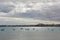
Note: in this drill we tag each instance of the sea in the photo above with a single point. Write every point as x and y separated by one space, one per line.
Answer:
29 33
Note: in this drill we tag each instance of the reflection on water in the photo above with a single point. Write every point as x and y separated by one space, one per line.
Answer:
13 29
40 29
21 28
33 28
2 29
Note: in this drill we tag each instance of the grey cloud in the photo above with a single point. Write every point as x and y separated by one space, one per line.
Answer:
6 8
30 14
51 13
24 1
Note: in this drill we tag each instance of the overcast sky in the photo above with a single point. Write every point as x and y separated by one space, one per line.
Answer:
29 11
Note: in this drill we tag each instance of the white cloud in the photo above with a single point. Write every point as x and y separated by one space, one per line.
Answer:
12 20
18 20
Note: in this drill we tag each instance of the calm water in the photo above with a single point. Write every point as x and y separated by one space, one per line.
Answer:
29 29
29 33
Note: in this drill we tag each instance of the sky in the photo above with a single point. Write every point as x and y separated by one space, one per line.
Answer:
29 11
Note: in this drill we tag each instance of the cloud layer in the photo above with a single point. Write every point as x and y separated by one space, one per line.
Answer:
38 10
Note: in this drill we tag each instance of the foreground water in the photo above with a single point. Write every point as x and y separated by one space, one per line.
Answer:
29 33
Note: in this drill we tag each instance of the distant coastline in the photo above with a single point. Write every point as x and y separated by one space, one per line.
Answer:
37 25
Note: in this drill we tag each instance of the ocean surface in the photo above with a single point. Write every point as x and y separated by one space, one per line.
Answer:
29 29
29 33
